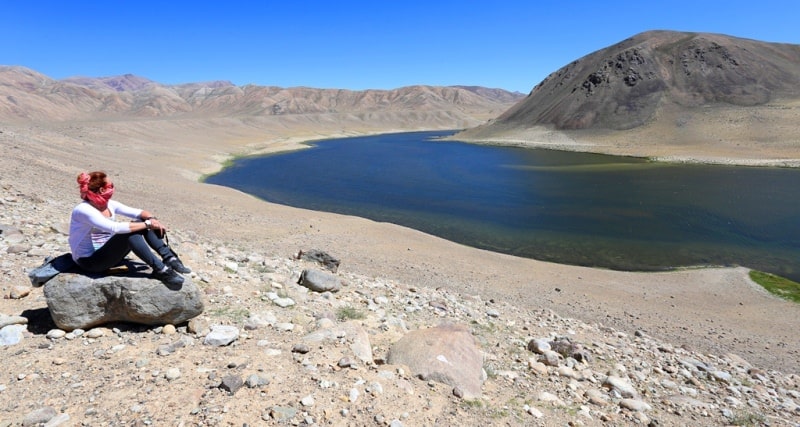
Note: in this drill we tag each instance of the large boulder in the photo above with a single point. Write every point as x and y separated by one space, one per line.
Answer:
79 301
447 354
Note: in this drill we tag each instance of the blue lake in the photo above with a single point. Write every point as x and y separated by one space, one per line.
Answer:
573 208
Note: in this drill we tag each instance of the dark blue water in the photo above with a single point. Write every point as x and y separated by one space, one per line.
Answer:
574 208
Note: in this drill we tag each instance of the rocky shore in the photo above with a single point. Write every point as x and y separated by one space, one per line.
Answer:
560 345
271 372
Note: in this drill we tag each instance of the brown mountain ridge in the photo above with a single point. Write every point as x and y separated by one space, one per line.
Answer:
665 93
29 95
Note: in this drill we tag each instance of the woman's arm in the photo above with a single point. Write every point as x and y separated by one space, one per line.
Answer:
149 221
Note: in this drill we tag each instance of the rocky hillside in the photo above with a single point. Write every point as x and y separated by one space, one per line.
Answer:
622 86
267 351
661 87
29 95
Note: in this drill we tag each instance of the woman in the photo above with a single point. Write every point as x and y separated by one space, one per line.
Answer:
98 241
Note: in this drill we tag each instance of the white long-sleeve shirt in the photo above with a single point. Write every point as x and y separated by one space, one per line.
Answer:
89 229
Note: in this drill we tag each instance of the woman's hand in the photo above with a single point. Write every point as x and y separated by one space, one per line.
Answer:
156 226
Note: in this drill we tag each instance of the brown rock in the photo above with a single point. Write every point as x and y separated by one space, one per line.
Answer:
447 354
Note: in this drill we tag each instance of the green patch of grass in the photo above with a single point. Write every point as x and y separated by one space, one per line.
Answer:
261 268
471 403
777 285
235 314
349 313
747 419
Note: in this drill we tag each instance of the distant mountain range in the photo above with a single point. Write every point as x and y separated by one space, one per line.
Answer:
663 94
29 95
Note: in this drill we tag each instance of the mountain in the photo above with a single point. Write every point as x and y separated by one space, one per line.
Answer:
689 83
33 96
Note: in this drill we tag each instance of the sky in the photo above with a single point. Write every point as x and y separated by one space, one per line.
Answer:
357 45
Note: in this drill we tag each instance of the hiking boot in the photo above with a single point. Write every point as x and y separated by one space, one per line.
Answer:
169 277
176 264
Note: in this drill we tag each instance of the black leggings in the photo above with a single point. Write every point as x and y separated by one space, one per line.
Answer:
120 245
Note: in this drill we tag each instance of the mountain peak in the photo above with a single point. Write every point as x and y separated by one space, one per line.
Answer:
623 85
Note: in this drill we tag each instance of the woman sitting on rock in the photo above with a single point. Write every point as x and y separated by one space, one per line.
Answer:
98 241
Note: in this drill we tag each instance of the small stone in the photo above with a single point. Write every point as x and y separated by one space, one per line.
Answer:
544 396
255 381
11 334
539 345
621 386
722 376
39 416
634 405
19 292
95 333
307 401
283 302
550 358
55 334
284 326
596 397
231 384
537 367
566 371
197 326
221 335
12 320
300 348
172 374
168 329
282 413
533 411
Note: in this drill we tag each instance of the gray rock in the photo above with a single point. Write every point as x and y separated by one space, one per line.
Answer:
259 320
221 335
722 376
596 397
231 383
255 381
284 302
11 334
12 320
634 405
447 354
282 413
18 248
321 257
539 345
300 348
319 281
621 386
78 301
550 358
58 420
39 416
172 374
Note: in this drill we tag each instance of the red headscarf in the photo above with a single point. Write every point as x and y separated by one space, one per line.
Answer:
98 198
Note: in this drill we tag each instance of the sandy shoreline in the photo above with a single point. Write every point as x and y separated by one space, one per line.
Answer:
158 167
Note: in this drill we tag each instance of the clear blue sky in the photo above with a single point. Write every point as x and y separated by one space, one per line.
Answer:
375 44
